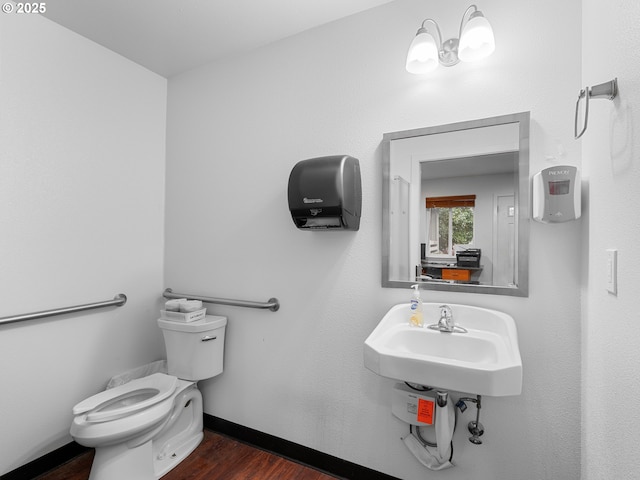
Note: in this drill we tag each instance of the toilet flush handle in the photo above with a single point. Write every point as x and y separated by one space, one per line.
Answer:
207 338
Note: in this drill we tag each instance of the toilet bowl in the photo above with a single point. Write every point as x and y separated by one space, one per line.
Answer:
125 412
144 428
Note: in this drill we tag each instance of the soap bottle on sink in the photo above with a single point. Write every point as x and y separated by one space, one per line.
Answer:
416 318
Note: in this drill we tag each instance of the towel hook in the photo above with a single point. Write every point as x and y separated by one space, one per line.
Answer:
608 90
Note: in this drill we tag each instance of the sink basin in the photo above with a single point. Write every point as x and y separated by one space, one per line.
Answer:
484 361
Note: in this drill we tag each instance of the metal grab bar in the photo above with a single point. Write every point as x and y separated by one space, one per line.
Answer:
272 304
117 301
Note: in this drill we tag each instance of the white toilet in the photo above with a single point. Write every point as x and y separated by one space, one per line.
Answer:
144 428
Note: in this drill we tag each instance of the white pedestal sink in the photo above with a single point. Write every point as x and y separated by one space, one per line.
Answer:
484 361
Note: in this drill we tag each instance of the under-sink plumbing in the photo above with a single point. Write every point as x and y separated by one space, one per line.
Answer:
442 397
475 427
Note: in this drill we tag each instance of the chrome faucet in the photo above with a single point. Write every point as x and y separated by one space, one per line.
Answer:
446 323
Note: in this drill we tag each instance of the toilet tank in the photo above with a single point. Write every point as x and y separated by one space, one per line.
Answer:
195 350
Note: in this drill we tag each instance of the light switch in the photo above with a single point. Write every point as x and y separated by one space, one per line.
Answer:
612 271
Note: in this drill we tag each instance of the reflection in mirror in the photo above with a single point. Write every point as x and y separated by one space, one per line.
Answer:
455 206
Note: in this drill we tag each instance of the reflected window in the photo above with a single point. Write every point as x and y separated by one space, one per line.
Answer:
450 223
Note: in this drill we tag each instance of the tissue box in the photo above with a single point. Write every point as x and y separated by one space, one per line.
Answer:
183 317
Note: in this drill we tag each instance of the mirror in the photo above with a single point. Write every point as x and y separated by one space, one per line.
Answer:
456 206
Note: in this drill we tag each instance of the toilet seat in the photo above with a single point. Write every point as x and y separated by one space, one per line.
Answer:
126 399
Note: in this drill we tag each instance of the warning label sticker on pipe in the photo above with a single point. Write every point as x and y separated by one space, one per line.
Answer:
425 411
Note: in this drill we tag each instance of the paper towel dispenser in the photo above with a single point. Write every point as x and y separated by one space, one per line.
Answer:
326 193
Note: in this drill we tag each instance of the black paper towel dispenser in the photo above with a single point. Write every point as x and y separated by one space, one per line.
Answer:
326 193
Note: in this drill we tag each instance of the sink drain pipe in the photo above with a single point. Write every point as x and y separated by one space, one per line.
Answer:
438 455
441 399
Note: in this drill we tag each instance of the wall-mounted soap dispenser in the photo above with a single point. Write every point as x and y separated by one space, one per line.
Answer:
556 194
325 193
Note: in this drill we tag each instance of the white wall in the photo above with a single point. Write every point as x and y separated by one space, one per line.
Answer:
235 130
611 336
82 135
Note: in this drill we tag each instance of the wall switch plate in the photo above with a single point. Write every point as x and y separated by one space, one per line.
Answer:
612 271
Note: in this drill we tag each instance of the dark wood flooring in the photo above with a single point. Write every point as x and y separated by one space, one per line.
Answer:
217 458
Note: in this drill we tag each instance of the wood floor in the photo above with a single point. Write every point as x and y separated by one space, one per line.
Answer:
217 458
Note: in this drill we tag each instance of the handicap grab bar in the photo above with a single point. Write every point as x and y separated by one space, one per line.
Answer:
272 304
117 301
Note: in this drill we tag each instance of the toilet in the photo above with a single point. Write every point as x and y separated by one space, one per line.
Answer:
142 429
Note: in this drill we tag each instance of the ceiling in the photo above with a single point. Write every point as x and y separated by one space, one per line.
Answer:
172 36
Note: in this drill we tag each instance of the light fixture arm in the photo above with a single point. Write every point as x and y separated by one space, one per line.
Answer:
464 15
447 49
437 28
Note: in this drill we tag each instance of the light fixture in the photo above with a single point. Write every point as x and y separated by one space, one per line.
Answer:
475 41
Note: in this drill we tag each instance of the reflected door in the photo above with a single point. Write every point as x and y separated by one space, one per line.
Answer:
505 250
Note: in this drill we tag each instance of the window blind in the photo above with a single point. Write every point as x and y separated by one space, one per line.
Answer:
451 201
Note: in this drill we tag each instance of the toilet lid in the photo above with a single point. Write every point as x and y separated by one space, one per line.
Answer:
126 399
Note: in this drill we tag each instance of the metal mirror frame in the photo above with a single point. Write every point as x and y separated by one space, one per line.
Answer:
521 289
